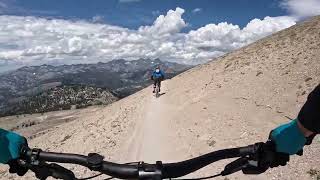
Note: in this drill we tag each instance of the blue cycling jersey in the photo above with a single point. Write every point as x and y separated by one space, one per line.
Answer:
159 74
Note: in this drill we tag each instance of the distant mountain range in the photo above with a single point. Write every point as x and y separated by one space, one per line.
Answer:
61 98
44 88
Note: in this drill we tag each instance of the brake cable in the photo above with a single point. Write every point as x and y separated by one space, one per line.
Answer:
230 168
109 178
90 177
207 177
97 175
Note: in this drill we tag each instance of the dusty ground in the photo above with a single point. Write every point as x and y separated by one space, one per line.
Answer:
233 101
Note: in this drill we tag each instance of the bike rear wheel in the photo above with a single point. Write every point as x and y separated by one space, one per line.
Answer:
157 91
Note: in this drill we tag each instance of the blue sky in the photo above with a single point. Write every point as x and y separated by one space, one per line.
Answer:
134 13
35 32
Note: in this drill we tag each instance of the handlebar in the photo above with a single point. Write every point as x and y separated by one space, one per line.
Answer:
183 168
93 161
36 157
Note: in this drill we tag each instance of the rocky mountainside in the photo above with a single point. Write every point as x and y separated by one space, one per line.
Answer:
61 98
120 77
230 102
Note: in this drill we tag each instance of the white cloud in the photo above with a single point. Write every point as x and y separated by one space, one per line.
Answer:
33 40
97 19
302 8
170 24
196 10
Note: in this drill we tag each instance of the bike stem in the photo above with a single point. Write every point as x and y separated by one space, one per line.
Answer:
149 171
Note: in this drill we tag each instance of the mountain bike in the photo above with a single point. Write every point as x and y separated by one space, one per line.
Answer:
252 159
157 89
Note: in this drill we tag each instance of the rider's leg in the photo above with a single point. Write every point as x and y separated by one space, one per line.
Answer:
154 86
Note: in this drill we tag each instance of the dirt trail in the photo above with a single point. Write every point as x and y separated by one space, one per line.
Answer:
152 139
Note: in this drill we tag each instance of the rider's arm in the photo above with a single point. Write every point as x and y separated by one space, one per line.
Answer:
10 145
162 73
309 115
304 130
291 137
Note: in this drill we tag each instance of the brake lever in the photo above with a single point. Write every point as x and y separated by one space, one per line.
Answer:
44 170
235 166
266 157
58 171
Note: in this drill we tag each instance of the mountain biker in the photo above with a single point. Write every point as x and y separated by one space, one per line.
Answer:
289 138
157 76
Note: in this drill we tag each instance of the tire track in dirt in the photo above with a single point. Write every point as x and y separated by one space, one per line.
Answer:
152 138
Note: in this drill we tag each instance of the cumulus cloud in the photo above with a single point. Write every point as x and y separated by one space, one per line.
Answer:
302 8
33 40
164 25
196 10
